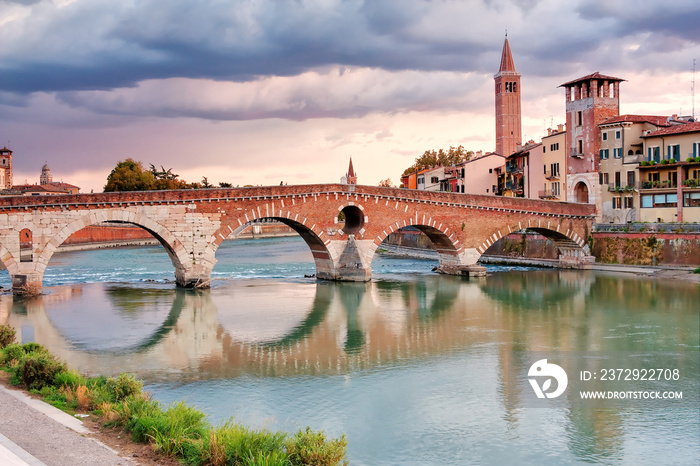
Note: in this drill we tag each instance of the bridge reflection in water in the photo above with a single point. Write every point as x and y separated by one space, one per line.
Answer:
264 328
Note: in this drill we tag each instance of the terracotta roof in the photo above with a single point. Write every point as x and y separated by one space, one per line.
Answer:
61 184
488 154
507 63
675 129
653 119
595 75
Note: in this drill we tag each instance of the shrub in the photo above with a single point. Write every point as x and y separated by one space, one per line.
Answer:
123 386
311 448
11 352
7 335
38 369
231 443
70 378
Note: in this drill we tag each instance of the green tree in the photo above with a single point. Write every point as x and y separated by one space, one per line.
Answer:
129 175
440 158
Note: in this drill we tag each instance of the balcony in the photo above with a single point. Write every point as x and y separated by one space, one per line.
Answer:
513 169
659 185
578 155
548 194
552 176
613 188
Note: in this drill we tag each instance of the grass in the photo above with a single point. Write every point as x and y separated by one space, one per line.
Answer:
178 430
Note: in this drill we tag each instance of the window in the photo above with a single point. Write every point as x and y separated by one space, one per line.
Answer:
617 153
617 179
630 179
604 154
616 202
579 146
618 134
653 154
696 149
579 118
629 204
605 136
660 200
603 178
674 152
555 188
434 179
544 148
490 170
691 200
554 146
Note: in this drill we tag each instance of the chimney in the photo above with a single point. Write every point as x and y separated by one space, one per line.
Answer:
549 131
560 128
478 154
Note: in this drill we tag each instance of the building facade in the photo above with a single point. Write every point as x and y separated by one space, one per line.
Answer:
554 165
669 174
590 100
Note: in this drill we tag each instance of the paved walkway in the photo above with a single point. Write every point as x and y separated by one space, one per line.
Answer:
35 433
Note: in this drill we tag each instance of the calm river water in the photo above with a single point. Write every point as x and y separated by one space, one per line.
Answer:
416 369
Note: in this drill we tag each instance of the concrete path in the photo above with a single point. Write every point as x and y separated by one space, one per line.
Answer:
35 433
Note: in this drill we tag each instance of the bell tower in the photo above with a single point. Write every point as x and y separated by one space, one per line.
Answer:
508 115
5 168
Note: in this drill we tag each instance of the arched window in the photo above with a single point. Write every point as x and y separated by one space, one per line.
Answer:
25 246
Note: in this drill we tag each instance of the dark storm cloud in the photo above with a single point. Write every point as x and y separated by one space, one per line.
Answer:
65 46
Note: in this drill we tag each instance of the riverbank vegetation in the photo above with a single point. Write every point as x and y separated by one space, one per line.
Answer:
178 430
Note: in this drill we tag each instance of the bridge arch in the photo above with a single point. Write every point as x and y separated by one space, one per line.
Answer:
323 258
446 245
569 245
176 251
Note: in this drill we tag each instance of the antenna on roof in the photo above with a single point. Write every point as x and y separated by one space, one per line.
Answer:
692 91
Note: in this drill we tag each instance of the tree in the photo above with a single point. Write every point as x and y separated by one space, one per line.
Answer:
223 184
441 158
386 183
129 175
205 183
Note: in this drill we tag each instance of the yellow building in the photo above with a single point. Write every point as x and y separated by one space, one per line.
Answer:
670 174
554 161
621 150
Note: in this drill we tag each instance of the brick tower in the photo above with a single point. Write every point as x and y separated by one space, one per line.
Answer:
590 100
508 126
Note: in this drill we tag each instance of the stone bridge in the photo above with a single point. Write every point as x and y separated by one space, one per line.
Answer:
191 225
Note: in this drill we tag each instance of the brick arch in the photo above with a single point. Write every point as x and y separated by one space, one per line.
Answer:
174 248
445 243
567 243
311 234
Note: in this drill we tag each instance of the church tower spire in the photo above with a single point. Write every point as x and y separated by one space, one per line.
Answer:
508 115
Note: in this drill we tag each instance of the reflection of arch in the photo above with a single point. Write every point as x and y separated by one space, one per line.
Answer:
162 331
531 290
430 297
581 193
175 249
322 257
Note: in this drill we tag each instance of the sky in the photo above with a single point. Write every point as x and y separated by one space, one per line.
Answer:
262 92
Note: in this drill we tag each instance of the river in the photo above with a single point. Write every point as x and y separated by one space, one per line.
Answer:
415 368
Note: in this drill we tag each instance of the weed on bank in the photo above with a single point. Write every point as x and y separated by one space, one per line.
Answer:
178 430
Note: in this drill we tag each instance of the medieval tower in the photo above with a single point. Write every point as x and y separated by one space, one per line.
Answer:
508 124
5 168
590 100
